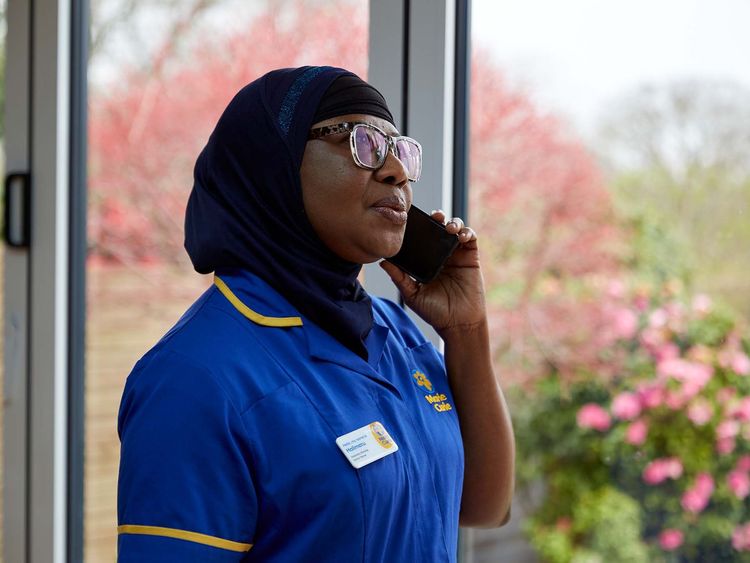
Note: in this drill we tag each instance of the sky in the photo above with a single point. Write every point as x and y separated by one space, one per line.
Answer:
575 57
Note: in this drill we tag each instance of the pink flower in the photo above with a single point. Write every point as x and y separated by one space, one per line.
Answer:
740 363
675 400
637 432
626 406
695 499
739 483
652 337
651 396
641 301
625 323
666 351
741 410
702 304
684 370
593 416
727 429
725 394
725 445
674 467
743 464
741 537
657 318
616 288
661 469
671 539
704 483
700 412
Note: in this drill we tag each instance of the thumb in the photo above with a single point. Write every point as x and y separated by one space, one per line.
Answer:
405 284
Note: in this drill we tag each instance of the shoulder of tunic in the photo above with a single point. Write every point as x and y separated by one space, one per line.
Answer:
219 343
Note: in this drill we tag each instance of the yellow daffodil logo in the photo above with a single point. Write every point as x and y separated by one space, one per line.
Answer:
421 380
381 435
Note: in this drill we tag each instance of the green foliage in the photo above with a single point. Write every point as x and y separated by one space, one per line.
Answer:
712 330
692 227
611 522
598 502
552 545
655 254
605 525
679 161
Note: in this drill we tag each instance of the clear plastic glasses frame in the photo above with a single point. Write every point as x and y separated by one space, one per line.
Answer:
412 166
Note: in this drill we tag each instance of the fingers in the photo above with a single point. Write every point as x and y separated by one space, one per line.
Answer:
405 284
455 226
438 215
467 234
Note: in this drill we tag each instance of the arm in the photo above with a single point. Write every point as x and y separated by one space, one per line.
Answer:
185 492
489 447
454 305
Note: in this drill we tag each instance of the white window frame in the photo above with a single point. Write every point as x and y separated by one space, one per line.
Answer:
414 61
36 295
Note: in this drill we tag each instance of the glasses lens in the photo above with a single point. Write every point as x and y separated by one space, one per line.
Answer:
410 154
370 146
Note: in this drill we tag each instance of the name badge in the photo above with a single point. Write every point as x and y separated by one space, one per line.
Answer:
367 444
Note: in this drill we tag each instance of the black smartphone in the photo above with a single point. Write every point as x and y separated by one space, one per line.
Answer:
426 247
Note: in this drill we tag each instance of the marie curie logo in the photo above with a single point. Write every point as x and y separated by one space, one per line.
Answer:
421 380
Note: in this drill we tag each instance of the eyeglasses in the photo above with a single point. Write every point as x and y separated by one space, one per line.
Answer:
370 146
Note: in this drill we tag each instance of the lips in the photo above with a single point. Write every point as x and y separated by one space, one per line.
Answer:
392 202
392 208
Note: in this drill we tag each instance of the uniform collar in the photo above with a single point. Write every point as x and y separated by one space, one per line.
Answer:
262 304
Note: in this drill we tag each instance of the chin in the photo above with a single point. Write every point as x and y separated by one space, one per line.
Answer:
391 247
375 255
391 253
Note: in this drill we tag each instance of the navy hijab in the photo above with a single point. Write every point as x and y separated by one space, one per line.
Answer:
246 208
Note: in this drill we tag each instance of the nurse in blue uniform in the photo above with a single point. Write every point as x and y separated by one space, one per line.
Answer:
289 416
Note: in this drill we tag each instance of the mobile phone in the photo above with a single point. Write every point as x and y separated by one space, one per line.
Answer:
426 247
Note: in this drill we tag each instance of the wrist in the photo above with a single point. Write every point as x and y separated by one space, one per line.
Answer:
465 331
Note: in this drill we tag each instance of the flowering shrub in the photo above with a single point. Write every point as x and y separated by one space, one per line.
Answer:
661 451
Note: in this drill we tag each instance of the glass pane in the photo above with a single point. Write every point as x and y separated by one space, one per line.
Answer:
160 74
2 259
610 184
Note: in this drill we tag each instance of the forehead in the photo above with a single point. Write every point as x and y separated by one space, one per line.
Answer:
383 124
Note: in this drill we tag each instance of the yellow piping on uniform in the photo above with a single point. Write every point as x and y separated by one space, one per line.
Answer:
252 315
185 535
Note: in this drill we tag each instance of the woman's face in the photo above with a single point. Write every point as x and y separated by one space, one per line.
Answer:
359 214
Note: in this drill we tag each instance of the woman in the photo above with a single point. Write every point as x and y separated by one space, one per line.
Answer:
289 416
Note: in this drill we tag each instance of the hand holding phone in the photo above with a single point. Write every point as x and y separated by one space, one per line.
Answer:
426 247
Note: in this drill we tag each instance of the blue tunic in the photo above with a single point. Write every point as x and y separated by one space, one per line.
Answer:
228 430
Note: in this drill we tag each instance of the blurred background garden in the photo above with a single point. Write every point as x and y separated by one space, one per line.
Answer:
614 221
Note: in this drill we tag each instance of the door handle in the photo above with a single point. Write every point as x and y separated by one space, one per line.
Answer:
17 210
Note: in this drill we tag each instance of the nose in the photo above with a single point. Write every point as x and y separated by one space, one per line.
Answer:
392 172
